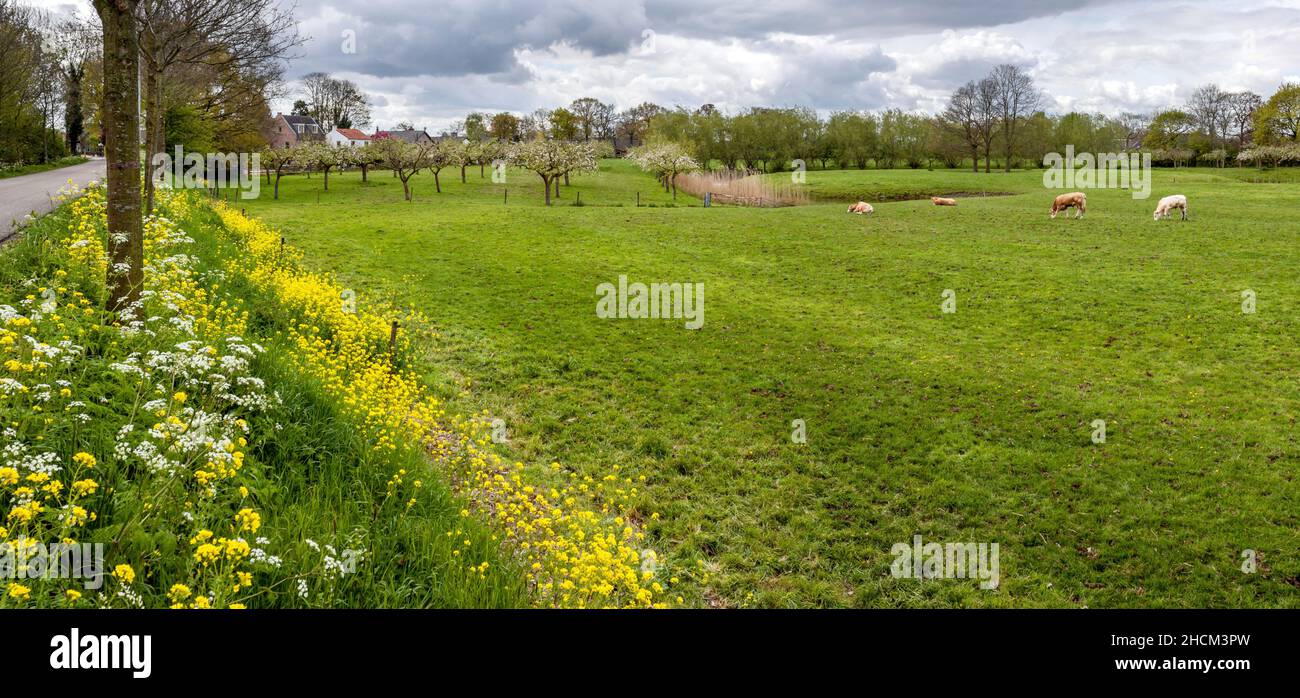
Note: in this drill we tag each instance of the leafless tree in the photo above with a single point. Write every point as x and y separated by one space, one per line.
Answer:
594 117
232 35
1208 105
962 118
1134 126
1017 98
636 121
335 102
986 111
1241 115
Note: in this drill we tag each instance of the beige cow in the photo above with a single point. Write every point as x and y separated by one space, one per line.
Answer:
940 201
1076 200
861 207
1169 203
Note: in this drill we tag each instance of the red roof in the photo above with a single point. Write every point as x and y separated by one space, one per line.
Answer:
353 135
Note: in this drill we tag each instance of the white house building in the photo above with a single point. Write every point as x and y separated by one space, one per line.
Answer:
346 136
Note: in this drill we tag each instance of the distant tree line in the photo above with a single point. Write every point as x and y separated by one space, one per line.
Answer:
585 119
998 121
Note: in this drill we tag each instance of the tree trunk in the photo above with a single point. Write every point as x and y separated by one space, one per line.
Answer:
277 186
73 119
155 136
557 186
406 187
45 133
1010 153
327 179
975 158
437 186
462 173
546 187
364 170
125 277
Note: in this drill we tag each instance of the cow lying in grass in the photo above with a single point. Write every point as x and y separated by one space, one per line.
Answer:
861 207
940 201
1076 200
1169 203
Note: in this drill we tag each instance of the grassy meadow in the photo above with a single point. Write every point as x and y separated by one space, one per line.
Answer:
967 426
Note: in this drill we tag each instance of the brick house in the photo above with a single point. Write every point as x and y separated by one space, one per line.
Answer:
287 130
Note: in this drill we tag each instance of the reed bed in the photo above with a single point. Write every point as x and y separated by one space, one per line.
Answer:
743 188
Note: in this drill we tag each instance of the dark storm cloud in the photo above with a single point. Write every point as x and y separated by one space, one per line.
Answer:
842 18
402 38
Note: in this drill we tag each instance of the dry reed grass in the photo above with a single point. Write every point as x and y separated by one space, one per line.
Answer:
743 188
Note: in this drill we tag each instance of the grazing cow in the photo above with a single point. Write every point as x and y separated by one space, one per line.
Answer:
1076 200
1169 203
940 201
861 207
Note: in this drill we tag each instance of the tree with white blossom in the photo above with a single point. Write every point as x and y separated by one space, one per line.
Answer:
552 159
665 161
404 159
322 157
278 161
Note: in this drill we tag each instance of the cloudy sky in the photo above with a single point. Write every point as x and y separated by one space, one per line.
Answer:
430 62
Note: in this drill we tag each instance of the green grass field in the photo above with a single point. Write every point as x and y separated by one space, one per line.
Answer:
973 426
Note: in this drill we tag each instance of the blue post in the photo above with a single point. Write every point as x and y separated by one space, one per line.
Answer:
708 199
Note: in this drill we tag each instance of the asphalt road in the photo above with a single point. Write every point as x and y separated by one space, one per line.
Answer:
20 196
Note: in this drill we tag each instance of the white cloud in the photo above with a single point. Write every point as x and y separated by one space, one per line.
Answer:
433 64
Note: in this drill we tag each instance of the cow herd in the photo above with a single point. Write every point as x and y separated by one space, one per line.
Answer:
1074 200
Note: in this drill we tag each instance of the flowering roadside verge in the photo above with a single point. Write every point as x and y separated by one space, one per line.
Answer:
129 439
576 536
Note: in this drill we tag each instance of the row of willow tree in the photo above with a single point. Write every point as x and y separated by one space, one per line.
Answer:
1000 118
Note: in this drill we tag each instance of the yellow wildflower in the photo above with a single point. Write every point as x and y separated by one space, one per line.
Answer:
124 573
